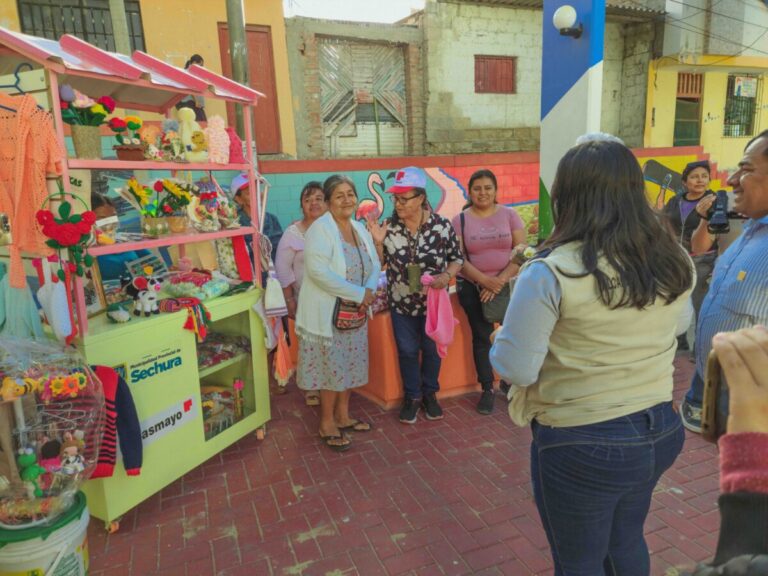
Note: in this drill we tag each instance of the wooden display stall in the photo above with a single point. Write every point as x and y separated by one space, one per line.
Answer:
156 355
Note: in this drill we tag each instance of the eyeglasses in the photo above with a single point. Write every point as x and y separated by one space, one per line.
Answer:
403 199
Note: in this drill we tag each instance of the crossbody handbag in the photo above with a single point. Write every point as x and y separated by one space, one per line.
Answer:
494 310
346 313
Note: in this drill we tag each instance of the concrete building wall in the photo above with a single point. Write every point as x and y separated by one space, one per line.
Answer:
613 72
302 39
638 40
460 121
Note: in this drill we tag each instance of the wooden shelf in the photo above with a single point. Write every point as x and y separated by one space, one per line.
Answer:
222 365
115 164
169 240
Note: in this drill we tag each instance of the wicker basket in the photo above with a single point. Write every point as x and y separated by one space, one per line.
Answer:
129 152
177 224
86 140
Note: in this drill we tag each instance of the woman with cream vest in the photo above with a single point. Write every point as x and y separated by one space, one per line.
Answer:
340 262
588 345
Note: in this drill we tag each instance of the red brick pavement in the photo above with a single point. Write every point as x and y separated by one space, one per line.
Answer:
438 498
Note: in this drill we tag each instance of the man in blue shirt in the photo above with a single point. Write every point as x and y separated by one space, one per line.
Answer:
738 293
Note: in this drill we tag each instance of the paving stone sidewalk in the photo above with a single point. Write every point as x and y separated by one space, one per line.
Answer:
438 498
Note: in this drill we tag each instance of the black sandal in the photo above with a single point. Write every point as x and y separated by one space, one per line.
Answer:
336 447
358 426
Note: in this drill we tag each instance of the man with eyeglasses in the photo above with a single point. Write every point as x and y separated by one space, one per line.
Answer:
738 292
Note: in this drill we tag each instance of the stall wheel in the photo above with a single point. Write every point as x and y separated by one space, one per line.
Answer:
112 527
261 432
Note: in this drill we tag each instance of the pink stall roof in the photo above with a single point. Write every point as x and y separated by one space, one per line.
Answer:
140 81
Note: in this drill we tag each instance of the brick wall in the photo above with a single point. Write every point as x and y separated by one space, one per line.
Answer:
302 36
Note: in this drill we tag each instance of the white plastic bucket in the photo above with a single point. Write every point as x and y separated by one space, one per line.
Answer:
57 550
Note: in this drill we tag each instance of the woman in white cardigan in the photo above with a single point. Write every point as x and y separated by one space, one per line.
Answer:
339 262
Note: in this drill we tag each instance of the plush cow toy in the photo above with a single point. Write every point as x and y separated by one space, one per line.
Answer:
144 291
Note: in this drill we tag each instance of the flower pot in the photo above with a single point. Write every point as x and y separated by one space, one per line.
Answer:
129 152
154 226
177 224
87 141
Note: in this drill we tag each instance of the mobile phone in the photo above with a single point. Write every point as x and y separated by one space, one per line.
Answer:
714 411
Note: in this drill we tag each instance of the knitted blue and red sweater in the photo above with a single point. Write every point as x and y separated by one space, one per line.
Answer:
121 424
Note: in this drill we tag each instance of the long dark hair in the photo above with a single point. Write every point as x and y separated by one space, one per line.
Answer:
598 198
482 173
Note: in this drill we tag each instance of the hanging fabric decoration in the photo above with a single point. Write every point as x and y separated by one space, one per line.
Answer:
69 233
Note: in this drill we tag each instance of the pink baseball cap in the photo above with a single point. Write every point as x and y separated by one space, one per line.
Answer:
407 179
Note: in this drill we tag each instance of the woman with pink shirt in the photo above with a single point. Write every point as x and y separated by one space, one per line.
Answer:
289 261
488 235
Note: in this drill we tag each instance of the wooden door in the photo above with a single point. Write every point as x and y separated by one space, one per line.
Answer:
262 78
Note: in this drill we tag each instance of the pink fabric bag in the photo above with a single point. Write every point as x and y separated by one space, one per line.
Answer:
440 319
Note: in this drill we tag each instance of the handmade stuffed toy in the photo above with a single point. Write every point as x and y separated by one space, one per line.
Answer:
192 137
144 291
235 147
218 141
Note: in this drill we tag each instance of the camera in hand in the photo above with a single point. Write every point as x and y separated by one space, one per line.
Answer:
717 215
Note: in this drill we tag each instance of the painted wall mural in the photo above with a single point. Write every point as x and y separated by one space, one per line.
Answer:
446 185
446 191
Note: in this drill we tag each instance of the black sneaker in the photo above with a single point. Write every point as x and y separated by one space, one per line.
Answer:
504 387
431 407
485 404
408 411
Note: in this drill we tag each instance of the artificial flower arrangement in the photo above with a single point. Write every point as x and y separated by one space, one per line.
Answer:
85 115
82 110
129 147
163 207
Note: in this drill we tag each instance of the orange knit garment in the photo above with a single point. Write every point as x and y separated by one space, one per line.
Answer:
29 150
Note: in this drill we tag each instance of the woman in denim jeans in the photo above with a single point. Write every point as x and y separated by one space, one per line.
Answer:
588 347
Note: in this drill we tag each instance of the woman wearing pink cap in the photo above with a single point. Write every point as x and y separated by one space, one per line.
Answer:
413 242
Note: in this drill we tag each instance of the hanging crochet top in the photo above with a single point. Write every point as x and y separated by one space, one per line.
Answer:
29 150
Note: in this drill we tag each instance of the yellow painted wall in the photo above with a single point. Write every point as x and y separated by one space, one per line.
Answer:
662 91
660 107
9 16
176 29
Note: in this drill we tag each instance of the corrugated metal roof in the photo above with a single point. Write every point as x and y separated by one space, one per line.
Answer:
140 80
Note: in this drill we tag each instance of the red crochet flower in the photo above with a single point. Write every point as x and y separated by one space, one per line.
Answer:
107 102
167 209
158 186
87 220
44 217
66 234
117 124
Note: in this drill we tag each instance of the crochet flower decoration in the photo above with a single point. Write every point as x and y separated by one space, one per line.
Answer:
71 232
128 124
68 386
81 109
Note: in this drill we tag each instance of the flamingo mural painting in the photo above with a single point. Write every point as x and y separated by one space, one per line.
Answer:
373 207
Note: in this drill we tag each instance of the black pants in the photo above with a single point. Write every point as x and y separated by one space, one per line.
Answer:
469 298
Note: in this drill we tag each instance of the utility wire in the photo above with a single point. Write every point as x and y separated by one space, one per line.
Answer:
716 13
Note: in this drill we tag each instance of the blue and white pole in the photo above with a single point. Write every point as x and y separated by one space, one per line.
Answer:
571 89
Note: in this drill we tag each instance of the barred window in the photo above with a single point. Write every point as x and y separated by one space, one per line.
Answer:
86 19
741 99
